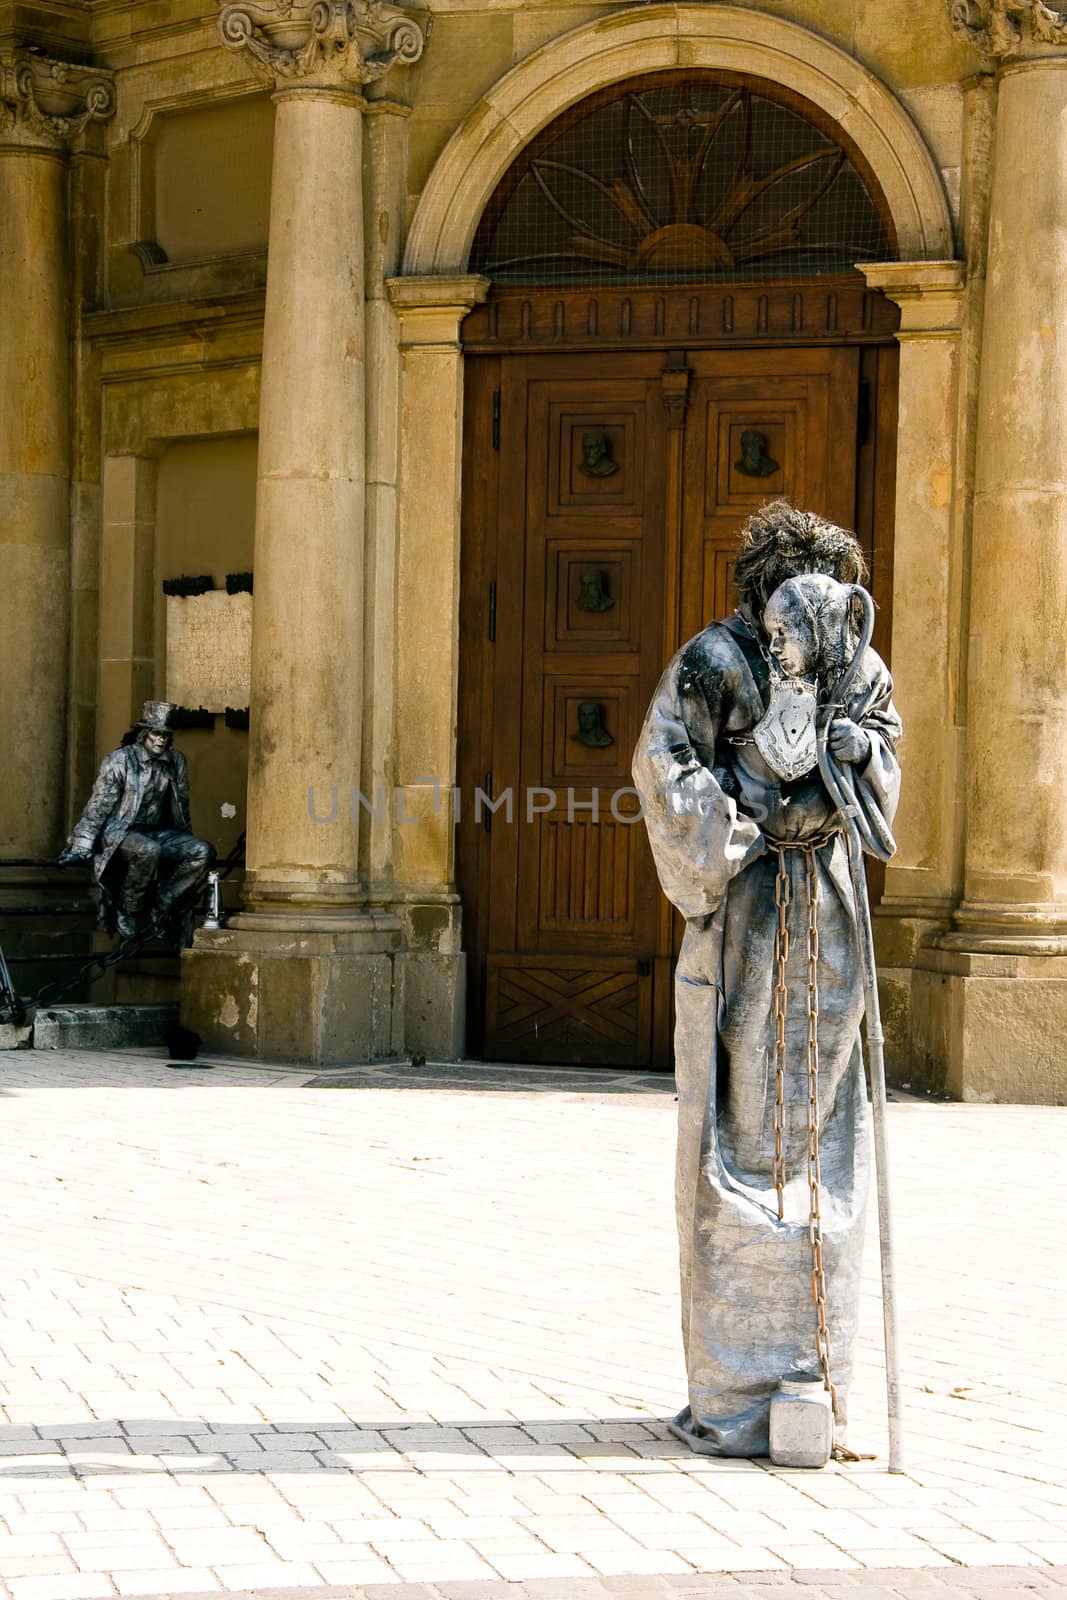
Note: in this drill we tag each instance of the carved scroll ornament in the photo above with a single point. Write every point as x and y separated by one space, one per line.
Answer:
42 100
1002 27
333 43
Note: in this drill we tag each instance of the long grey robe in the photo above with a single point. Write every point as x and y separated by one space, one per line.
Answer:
748 1316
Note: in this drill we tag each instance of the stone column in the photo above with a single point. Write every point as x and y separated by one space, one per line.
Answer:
305 971
429 310
44 105
922 881
1005 963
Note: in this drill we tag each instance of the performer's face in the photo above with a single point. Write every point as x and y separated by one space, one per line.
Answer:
155 743
789 630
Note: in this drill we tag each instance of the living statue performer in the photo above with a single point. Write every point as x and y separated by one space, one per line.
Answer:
146 859
748 846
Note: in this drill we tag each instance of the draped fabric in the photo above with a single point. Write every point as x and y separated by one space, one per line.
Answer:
748 1315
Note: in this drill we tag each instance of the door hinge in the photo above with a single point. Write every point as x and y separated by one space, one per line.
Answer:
496 419
492 612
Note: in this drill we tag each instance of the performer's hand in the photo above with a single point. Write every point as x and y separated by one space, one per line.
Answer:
691 791
74 854
848 742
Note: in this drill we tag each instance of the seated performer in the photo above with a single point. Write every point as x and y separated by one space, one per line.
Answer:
136 829
769 987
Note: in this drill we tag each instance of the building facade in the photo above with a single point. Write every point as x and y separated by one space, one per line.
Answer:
440 353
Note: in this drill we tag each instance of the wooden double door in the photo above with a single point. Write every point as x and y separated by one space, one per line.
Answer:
603 495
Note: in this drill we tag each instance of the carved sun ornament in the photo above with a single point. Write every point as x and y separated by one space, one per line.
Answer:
698 179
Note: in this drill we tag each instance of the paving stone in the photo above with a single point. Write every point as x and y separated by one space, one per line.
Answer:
469 1375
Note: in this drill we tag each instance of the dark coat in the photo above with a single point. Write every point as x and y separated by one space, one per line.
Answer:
117 794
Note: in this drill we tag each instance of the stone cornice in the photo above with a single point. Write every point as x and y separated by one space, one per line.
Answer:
430 308
331 44
1002 28
45 102
929 294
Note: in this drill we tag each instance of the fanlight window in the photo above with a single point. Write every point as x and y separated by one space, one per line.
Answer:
680 180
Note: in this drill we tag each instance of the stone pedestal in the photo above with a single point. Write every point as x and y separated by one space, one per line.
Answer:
306 971
296 993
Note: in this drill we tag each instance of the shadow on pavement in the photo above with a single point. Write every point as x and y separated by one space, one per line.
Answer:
153 1068
176 1445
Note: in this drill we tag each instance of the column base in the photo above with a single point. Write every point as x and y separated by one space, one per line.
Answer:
279 990
435 975
901 930
990 1027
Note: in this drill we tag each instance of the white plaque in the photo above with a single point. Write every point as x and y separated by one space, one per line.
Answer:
209 650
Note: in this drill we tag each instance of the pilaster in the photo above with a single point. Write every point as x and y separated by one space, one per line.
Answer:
429 311
922 880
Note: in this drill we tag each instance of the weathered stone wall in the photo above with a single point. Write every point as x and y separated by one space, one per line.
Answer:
165 232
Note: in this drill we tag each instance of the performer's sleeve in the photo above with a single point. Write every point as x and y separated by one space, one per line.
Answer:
699 840
106 792
181 784
874 789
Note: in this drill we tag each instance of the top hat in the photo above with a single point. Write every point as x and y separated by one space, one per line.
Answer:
156 715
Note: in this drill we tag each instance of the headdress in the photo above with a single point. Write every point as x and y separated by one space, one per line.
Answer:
780 542
156 715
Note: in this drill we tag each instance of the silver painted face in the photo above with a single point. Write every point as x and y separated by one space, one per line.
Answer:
791 635
155 743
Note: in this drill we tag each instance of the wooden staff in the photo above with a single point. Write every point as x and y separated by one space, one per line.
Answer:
875 1038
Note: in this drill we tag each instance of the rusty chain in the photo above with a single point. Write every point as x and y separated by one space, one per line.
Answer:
781 1006
781 1001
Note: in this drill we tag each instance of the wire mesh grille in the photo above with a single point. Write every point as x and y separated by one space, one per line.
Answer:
689 179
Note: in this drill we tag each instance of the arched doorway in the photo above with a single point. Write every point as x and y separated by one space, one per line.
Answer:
675 333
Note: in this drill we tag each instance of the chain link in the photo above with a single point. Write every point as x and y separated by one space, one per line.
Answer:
781 955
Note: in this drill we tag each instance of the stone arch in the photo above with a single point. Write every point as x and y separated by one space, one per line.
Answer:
653 38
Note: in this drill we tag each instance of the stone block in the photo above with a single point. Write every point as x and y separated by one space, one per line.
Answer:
16 1035
469 54
894 996
435 1008
317 998
89 1027
990 1028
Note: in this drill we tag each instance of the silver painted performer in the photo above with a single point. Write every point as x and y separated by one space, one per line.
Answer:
136 829
769 984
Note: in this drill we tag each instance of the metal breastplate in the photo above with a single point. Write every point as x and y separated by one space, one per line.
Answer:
785 734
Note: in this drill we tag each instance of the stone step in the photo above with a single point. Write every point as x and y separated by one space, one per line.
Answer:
89 1027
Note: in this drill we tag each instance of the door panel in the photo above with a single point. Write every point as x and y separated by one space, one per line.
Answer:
581 545
592 482
801 407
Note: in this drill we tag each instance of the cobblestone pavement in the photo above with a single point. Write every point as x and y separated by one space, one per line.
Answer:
397 1333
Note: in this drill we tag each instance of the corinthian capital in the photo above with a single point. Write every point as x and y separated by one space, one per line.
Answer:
1007 27
328 44
48 102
